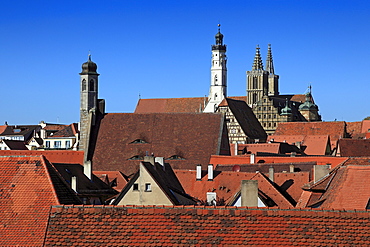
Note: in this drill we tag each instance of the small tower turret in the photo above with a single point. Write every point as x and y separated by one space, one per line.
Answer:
309 109
88 99
217 91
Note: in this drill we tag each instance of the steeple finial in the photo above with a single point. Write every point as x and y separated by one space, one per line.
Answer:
89 56
269 61
257 63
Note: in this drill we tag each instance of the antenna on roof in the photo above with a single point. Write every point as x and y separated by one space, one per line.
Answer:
139 95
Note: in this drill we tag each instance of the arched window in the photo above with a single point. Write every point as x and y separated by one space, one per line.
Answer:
254 98
215 80
83 85
215 96
92 85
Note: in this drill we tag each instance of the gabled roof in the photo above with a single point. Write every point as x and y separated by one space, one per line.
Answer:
205 226
29 186
227 186
354 147
54 156
67 131
15 145
2 128
115 179
184 138
271 148
344 188
165 178
246 119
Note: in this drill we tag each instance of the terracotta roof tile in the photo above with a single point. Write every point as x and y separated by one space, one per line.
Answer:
314 144
170 105
335 130
29 186
2 128
345 187
181 137
189 226
115 178
54 156
354 147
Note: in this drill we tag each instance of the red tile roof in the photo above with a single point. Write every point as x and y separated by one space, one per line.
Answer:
205 226
245 159
115 178
169 105
354 147
29 186
315 144
335 130
54 156
189 138
2 128
344 188
227 185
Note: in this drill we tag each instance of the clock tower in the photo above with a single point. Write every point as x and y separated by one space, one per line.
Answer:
217 91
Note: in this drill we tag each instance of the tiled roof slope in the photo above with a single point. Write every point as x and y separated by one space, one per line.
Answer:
189 138
227 184
29 186
114 178
54 156
344 188
15 145
314 144
246 119
205 226
2 128
245 159
335 130
169 105
68 131
354 147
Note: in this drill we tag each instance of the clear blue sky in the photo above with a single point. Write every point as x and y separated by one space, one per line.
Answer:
162 49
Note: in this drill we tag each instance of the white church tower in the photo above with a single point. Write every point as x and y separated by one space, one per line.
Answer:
217 91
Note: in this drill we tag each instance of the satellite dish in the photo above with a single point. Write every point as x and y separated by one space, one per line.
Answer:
236 168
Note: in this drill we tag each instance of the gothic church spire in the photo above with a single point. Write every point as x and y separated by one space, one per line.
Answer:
257 63
269 61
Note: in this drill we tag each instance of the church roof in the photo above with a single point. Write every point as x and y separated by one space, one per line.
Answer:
184 138
171 105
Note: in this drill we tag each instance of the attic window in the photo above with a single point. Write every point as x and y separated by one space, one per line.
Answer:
135 187
137 141
148 187
175 157
17 130
136 157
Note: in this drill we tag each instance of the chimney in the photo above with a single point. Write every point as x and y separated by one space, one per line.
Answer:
159 160
210 172
249 193
271 173
236 148
88 169
320 171
74 183
291 168
211 198
149 159
199 172
253 158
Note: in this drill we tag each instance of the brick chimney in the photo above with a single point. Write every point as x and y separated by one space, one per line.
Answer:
210 172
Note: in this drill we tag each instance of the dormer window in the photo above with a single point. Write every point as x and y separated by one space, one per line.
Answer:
138 141
136 157
175 157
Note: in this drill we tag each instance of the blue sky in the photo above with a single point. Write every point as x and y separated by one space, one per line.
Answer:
162 49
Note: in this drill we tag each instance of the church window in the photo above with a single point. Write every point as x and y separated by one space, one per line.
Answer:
264 116
269 116
274 124
259 116
264 124
269 124
264 108
83 85
215 96
254 98
259 108
264 100
91 86
254 86
274 115
215 80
